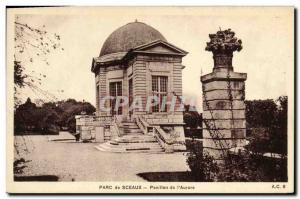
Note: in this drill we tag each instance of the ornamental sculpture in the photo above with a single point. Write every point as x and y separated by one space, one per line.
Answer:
222 45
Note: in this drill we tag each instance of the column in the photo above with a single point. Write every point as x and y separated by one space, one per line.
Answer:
224 121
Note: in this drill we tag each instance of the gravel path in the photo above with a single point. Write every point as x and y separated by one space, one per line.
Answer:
82 162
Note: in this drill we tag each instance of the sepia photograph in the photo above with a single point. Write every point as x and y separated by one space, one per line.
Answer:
150 99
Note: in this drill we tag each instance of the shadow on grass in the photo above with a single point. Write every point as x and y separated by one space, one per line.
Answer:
177 176
45 178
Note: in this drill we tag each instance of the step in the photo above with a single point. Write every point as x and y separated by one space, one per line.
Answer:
140 140
131 127
131 135
136 135
145 140
131 143
132 130
127 142
129 123
134 145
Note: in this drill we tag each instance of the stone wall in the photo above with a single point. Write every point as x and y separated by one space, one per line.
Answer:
93 128
168 129
85 126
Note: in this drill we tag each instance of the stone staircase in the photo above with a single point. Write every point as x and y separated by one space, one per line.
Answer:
133 140
131 127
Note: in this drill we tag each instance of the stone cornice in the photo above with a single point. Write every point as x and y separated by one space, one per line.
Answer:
140 53
223 76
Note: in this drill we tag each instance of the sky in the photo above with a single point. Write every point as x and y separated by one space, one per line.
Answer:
267 55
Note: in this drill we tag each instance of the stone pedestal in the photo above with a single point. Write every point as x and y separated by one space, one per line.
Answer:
99 131
180 139
85 127
224 120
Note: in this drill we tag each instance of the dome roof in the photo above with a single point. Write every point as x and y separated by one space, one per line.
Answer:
129 36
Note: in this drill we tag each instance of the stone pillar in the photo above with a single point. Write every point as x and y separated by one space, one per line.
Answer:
224 122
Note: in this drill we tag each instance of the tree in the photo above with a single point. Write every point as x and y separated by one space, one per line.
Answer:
191 117
24 116
269 121
279 131
31 44
71 108
192 120
260 113
50 117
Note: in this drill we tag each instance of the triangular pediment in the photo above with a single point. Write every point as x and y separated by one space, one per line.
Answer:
160 47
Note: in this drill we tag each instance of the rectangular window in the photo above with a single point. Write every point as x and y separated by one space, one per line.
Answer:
115 90
159 89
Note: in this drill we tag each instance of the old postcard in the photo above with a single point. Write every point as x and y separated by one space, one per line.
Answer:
150 100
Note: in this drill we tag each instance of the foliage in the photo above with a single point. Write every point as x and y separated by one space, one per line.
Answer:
279 135
259 140
270 121
267 120
191 117
260 113
243 167
193 121
19 75
203 167
31 44
50 116
248 167
19 165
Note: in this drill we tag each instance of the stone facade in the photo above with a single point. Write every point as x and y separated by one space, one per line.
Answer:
132 57
140 69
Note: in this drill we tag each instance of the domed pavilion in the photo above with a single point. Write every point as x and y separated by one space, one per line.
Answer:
138 63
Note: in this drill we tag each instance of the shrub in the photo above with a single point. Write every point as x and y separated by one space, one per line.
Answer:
203 167
244 167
